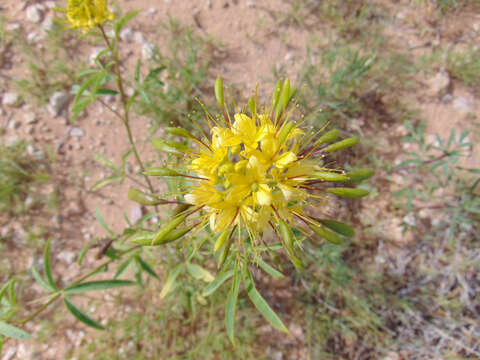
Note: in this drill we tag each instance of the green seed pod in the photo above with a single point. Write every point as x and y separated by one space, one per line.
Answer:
330 176
286 129
144 199
338 227
329 136
276 93
341 144
252 106
221 240
360 175
161 171
288 240
285 96
143 238
219 92
162 234
170 147
175 234
348 192
224 250
179 132
326 234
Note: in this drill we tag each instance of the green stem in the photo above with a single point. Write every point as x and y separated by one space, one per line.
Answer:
124 99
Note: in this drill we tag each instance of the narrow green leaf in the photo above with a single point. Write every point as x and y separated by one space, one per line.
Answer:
231 306
219 92
13 332
123 21
341 144
104 182
39 279
270 270
215 284
200 273
326 234
104 91
146 267
103 160
260 303
47 266
102 222
170 281
97 285
80 315
122 267
5 287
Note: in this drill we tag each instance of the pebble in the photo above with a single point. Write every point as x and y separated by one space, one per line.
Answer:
14 124
139 37
11 99
57 102
30 129
250 3
126 35
148 50
48 24
77 132
440 84
13 27
29 118
66 256
151 11
463 105
34 14
93 55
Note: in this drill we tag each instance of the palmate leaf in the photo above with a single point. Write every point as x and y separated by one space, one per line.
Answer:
13 332
260 303
80 315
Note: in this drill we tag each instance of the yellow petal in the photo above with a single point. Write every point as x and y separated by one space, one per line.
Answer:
285 159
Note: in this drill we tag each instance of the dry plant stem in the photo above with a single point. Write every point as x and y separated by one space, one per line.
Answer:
79 280
124 98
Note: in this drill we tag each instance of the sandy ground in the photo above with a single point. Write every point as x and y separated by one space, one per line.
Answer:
255 42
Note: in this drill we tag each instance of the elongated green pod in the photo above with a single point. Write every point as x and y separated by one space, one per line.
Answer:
288 241
181 208
179 132
285 96
167 229
338 227
143 238
221 240
330 176
170 147
286 129
276 93
252 106
329 136
360 175
143 198
224 251
348 192
147 238
161 171
219 92
341 144
326 234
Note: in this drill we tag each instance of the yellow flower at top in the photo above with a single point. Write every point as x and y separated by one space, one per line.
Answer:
86 14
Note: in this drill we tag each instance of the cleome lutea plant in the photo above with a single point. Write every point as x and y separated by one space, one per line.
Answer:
247 187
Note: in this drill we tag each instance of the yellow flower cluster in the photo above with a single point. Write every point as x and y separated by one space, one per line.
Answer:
85 14
250 173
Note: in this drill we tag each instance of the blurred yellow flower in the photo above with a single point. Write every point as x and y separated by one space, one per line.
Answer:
85 14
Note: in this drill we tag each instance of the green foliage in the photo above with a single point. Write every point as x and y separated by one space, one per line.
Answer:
21 174
465 66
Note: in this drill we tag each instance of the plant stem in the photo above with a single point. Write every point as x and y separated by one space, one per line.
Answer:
124 99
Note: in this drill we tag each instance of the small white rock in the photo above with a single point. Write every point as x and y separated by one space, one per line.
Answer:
34 14
13 27
136 213
126 34
29 118
148 50
77 132
11 99
93 55
57 102
66 256
151 11
463 105
139 38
